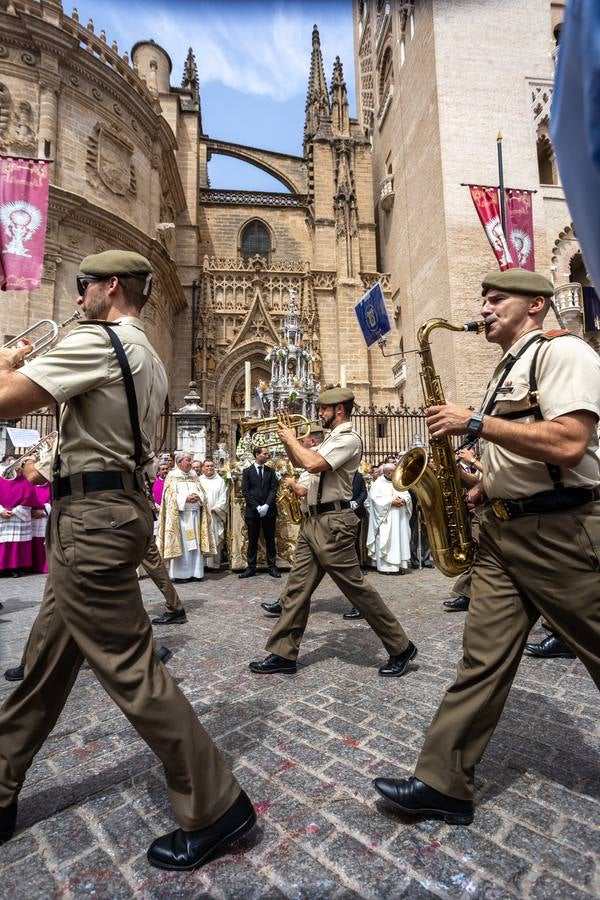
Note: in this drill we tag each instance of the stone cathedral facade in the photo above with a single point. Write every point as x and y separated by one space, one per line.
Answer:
130 169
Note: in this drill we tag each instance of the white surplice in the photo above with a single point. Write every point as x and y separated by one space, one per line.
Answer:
388 537
216 494
191 563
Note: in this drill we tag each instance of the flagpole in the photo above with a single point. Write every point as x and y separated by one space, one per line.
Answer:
501 183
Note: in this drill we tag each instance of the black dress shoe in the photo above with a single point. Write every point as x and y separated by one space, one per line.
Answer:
414 798
274 609
353 613
181 580
552 647
458 604
184 850
8 818
272 664
177 617
274 573
164 654
15 674
397 665
247 573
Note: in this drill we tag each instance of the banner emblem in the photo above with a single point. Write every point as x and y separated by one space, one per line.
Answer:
372 315
20 220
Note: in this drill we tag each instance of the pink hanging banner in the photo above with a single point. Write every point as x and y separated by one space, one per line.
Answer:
519 225
488 209
23 217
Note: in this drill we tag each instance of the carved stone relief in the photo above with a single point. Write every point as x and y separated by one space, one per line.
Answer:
109 161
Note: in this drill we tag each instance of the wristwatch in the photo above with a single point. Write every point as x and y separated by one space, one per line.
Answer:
474 426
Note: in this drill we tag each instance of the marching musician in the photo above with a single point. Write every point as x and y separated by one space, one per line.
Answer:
111 386
540 532
326 544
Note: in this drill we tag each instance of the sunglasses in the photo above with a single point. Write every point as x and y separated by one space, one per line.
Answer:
84 280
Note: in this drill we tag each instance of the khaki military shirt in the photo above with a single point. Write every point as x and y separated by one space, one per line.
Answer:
343 451
83 374
305 480
568 379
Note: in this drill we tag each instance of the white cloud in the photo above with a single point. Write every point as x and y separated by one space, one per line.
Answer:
265 52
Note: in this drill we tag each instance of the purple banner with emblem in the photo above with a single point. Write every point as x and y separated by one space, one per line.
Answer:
23 215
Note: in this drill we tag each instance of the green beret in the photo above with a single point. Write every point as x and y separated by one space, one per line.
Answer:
334 396
518 281
115 262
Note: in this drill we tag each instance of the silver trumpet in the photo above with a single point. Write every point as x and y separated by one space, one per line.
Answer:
40 335
40 452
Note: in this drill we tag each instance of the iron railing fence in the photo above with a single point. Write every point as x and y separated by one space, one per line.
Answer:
385 431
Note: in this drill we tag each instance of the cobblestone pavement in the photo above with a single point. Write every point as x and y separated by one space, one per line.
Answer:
305 748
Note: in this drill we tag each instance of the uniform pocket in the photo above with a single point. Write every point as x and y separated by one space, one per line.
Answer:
109 517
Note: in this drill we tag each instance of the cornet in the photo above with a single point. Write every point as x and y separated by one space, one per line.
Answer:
39 451
40 335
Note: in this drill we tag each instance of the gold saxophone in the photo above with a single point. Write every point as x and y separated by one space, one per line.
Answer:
438 490
288 500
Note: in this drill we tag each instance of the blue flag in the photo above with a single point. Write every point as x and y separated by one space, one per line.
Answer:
575 124
372 315
591 309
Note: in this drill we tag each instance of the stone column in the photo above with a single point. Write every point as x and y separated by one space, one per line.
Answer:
48 129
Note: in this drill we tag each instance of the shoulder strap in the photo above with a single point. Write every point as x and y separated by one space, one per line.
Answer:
129 390
487 409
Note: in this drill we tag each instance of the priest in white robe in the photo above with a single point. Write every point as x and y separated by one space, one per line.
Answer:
216 495
184 534
388 537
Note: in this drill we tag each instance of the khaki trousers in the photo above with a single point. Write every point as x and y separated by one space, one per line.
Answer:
326 547
92 609
536 565
155 569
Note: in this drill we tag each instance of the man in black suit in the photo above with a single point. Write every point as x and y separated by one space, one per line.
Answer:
259 487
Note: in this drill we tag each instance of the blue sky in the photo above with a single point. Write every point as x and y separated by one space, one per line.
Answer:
253 63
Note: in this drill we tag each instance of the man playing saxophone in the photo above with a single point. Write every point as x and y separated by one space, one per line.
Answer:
540 532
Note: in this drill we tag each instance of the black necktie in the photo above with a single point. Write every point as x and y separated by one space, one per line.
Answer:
260 473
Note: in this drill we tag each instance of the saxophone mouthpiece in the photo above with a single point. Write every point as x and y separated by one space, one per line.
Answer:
477 327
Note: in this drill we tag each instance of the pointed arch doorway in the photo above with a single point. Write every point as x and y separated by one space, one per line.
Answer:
231 388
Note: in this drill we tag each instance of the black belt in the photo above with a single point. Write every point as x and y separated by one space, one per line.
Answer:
544 502
87 482
332 506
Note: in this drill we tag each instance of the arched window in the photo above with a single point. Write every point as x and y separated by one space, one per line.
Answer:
546 164
255 239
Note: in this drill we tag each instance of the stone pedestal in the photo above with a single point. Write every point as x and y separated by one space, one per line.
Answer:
192 424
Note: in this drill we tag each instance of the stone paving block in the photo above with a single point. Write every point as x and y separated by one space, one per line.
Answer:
546 887
363 866
585 838
93 875
485 856
551 854
20 847
347 749
125 831
361 818
66 835
299 821
25 881
299 875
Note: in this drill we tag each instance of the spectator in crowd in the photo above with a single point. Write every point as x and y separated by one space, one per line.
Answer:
216 495
184 526
388 536
15 525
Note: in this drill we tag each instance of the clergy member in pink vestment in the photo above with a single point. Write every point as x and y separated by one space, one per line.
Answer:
15 525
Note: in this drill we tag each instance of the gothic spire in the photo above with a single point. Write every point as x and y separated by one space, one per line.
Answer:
339 101
190 75
317 98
